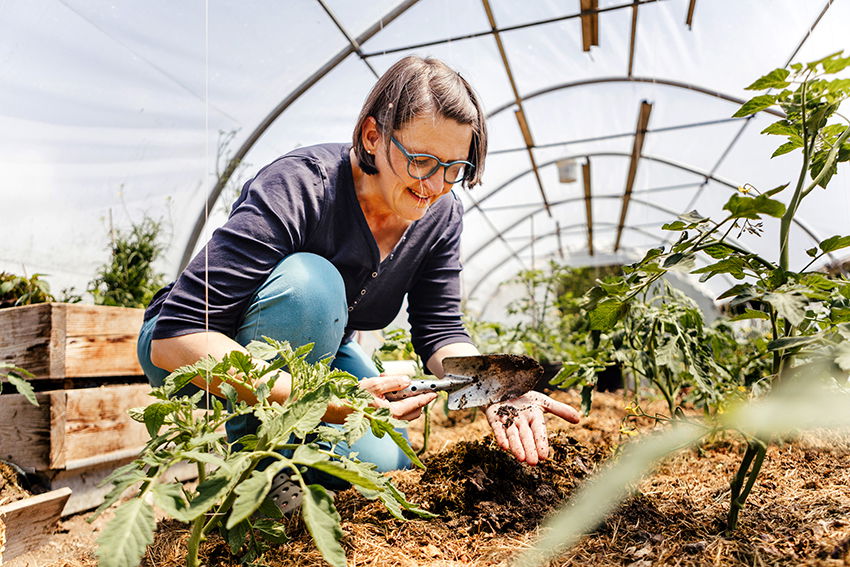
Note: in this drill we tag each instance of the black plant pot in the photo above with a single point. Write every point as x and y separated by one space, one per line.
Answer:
549 371
610 379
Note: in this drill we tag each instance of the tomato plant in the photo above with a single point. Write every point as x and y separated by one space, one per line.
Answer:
807 313
232 496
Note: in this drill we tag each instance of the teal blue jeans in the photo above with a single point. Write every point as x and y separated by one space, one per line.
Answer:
302 301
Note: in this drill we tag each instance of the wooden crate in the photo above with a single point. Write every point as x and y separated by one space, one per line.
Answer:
26 524
72 429
65 340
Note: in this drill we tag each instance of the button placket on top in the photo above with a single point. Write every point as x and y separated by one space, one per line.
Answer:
362 292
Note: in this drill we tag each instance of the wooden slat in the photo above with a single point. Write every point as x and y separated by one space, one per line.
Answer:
689 20
588 204
72 428
97 422
589 24
29 522
59 340
637 151
94 334
87 495
25 431
25 337
57 429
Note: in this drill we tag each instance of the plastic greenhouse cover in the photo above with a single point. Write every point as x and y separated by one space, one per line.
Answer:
111 111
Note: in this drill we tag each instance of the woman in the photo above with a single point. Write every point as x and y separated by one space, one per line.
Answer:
328 239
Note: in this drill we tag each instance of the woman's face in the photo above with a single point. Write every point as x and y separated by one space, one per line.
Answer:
406 196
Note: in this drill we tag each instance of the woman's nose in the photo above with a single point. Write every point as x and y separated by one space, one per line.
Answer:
435 183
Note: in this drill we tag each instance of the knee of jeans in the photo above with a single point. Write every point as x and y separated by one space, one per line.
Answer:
310 286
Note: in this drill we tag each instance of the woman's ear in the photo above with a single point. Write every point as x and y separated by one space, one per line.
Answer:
370 135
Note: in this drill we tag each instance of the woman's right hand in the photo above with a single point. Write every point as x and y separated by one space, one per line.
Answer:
407 409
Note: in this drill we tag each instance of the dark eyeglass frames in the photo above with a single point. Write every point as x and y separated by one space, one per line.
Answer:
423 166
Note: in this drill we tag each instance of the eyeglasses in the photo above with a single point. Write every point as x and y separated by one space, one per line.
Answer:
423 166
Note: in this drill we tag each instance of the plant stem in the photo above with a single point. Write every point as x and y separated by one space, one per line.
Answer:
193 546
426 433
830 160
790 211
754 455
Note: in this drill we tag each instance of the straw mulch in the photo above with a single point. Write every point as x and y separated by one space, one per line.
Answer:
490 507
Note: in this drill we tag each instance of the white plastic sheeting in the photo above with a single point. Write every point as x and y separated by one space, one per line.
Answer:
119 109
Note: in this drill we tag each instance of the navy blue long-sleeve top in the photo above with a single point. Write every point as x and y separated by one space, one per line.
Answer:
305 202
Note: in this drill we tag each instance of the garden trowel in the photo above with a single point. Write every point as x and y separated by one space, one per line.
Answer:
478 380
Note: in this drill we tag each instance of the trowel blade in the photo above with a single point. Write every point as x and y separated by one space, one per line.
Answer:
495 378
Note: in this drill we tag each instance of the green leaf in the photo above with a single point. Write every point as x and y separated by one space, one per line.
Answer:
587 398
790 305
229 392
201 457
303 350
271 530
781 128
775 190
130 476
261 350
812 252
742 206
652 253
734 266
251 492
338 470
776 79
680 262
380 427
739 289
209 493
835 243
123 541
322 521
235 536
787 147
155 415
606 314
718 251
171 499
304 414
23 387
836 65
675 225
750 314
356 425
693 218
756 104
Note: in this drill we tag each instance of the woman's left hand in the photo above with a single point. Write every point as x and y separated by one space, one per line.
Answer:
519 427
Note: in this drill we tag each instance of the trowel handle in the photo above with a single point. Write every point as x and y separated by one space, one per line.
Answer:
449 382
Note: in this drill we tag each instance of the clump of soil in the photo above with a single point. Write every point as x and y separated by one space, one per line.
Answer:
476 486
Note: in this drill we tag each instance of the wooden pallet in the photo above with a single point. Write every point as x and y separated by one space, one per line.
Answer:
65 340
26 524
75 438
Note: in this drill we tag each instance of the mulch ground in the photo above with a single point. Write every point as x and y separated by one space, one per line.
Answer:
490 507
